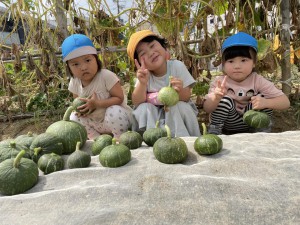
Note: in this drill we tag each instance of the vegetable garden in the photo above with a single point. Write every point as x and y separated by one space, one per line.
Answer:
34 80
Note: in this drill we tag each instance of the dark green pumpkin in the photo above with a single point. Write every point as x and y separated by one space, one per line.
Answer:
25 139
78 159
69 131
208 144
170 150
78 102
115 155
151 135
17 175
48 143
10 149
49 163
100 143
256 119
131 139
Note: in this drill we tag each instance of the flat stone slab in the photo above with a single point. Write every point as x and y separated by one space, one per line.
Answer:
255 179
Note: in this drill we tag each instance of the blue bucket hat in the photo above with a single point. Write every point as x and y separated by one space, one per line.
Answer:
240 39
77 45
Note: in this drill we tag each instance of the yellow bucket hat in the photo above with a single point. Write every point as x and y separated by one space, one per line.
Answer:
135 39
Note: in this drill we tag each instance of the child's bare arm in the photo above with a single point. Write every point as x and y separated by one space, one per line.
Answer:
280 103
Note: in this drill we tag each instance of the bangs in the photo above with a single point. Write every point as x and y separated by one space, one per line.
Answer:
237 51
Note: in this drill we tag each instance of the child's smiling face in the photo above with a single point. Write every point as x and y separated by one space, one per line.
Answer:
154 56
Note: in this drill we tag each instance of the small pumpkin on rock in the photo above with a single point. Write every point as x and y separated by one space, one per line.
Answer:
256 119
208 144
17 175
168 96
78 159
170 150
49 163
69 131
100 143
131 139
151 135
115 155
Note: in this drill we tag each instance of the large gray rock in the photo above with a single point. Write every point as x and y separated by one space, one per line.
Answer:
255 179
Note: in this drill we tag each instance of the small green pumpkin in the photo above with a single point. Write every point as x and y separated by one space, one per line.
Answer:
10 149
256 119
78 159
168 96
170 150
78 102
131 139
115 155
17 175
151 135
48 143
25 139
208 144
69 131
49 163
100 143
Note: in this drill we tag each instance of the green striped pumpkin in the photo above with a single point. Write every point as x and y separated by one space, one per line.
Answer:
78 159
25 139
17 175
168 96
170 150
10 149
256 119
131 139
100 143
69 131
46 143
115 155
208 144
49 163
151 135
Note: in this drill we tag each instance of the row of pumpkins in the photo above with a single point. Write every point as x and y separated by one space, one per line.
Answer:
21 158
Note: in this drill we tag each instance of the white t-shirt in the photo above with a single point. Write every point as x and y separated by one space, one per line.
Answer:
101 85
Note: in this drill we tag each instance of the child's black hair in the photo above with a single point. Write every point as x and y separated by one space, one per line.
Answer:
162 41
239 51
99 63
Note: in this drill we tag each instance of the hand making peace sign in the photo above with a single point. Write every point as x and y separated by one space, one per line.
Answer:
142 73
220 91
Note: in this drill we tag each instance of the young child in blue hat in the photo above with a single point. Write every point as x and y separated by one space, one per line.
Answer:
240 88
99 88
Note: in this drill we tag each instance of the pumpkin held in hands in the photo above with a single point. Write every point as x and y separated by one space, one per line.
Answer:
256 119
170 150
208 144
168 96
17 175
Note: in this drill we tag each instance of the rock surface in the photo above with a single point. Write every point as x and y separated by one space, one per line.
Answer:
255 179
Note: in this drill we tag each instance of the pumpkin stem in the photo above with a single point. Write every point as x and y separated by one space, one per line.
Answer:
78 146
37 151
170 78
12 144
114 141
29 134
168 131
156 124
18 159
68 113
204 129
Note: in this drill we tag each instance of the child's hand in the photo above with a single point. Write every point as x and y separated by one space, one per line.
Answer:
89 106
142 73
220 90
258 102
176 83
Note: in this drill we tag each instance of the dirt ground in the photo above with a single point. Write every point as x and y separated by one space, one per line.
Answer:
283 121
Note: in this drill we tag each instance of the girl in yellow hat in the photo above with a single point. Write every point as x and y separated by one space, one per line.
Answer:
149 52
